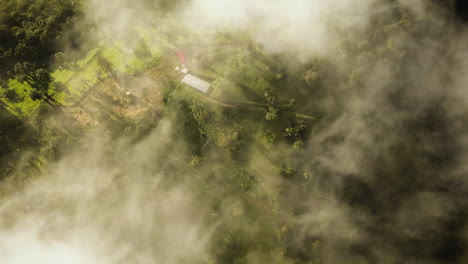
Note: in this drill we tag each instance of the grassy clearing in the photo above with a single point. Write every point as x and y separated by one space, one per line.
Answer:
62 75
18 100
91 54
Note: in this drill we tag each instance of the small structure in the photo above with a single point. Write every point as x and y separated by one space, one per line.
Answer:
196 83
184 70
181 56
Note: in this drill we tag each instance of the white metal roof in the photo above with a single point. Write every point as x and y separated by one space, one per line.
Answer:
196 83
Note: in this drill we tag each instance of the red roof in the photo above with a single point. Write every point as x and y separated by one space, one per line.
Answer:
181 56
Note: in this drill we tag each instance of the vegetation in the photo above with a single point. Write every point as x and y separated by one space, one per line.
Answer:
261 142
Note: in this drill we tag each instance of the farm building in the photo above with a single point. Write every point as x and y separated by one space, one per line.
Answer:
196 83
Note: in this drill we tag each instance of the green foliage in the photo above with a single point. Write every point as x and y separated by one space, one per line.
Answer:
142 50
247 143
18 101
271 114
295 132
31 31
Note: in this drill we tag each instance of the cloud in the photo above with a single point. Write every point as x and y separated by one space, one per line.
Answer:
101 208
280 26
381 178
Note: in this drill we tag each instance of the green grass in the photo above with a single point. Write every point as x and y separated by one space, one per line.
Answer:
62 75
115 57
22 105
88 57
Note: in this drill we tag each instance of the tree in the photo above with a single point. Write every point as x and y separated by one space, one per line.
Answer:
105 65
33 31
295 132
39 79
272 113
142 50
312 78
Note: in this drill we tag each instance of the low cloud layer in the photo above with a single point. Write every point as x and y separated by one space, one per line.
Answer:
382 180
283 26
98 207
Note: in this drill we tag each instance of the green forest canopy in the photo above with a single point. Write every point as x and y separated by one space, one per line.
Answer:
276 111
